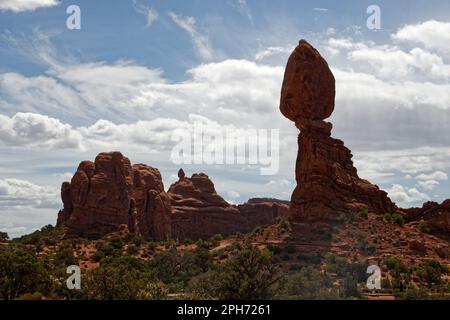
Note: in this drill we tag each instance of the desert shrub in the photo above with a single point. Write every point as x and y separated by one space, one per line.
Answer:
47 234
109 249
4 236
330 258
398 219
250 274
215 240
132 249
363 213
176 269
307 283
430 272
394 264
151 246
118 279
64 257
202 258
97 256
205 285
343 269
387 217
274 249
21 272
133 238
413 293
154 291
423 226
350 287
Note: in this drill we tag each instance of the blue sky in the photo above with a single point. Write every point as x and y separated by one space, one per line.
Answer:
137 70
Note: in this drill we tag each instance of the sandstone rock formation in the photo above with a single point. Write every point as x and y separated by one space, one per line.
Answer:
327 182
436 216
108 194
199 212
112 196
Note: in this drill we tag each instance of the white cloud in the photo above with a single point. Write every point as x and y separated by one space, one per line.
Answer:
427 185
272 51
432 34
233 194
28 129
150 14
438 175
22 193
26 5
404 197
391 62
200 41
280 183
320 9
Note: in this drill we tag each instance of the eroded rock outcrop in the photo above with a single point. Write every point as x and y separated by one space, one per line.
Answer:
109 194
436 216
199 212
327 182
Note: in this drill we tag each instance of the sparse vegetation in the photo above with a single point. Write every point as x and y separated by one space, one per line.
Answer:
127 267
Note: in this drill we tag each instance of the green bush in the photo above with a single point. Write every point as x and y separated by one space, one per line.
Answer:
133 238
151 246
274 249
364 213
398 219
307 283
4 236
64 257
431 272
21 272
423 226
250 274
132 249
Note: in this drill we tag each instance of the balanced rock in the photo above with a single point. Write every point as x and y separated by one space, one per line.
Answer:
327 182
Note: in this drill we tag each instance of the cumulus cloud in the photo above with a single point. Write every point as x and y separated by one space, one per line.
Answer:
438 175
26 5
406 196
432 34
200 41
16 192
35 130
428 185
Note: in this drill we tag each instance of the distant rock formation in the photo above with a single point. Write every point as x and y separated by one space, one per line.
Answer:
327 182
109 195
436 216
199 212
